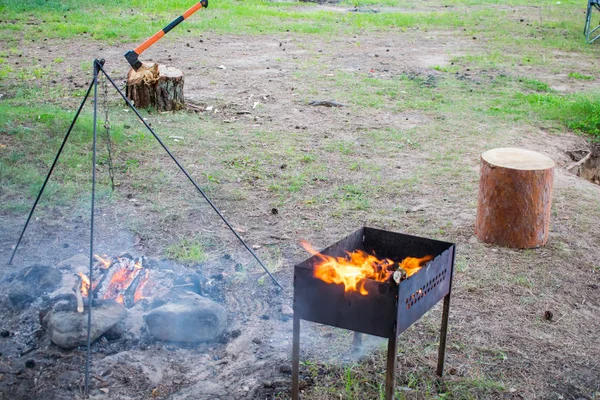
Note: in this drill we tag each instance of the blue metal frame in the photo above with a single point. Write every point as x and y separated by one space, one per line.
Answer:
588 19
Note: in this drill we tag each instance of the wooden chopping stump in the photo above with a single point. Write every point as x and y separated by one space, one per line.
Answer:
515 196
156 86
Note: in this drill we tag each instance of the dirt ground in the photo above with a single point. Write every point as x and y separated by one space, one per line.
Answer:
498 330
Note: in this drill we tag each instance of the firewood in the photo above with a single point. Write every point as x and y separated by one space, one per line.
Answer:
399 275
78 295
156 86
129 294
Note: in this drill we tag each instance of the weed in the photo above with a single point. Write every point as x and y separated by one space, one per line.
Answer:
581 77
535 85
188 250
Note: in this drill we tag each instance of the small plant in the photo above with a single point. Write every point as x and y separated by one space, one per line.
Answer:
535 85
581 77
189 250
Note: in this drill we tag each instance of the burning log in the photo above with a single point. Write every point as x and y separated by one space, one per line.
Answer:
129 296
515 195
121 280
399 275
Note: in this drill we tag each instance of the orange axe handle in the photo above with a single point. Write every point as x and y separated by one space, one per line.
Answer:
132 55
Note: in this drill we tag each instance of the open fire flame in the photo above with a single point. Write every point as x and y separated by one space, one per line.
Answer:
353 271
126 271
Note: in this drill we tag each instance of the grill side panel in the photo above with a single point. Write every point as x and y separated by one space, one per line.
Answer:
419 293
317 301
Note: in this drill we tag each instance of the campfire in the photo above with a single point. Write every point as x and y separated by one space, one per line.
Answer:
122 280
374 282
353 270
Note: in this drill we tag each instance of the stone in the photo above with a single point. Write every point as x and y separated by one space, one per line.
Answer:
188 317
116 331
287 310
68 329
77 263
31 283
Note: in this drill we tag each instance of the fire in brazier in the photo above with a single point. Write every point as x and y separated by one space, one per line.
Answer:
356 267
369 299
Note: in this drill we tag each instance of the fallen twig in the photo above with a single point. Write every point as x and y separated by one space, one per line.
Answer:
580 162
326 103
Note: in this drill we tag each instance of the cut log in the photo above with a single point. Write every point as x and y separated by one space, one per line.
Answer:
515 196
156 86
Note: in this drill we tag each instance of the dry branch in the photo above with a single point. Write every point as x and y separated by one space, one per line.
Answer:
580 162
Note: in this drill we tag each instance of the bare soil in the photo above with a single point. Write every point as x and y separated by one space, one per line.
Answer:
500 329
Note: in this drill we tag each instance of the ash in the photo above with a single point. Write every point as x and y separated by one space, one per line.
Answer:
248 359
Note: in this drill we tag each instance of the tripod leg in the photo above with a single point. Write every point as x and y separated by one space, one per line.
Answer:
50 171
191 179
97 65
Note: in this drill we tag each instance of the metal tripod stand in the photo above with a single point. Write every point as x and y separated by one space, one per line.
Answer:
98 66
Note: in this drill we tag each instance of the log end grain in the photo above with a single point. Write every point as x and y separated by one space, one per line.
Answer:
156 86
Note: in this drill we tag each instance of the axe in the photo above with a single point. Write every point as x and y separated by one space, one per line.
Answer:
132 55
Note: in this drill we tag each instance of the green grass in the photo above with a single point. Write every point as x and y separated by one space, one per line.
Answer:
109 21
579 112
581 77
370 169
188 250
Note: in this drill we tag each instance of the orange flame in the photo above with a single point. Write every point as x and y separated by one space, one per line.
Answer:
119 281
138 295
85 284
353 271
412 264
105 261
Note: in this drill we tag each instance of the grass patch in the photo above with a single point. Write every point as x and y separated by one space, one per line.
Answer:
578 112
188 250
581 77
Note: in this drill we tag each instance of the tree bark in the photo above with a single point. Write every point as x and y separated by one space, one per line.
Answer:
156 86
515 196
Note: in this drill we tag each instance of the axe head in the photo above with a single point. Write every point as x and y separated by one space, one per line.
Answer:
132 57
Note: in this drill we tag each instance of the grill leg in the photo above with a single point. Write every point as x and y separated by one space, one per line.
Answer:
357 342
390 377
443 332
296 359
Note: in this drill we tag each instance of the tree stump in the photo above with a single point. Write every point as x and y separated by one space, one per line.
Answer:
515 195
156 86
